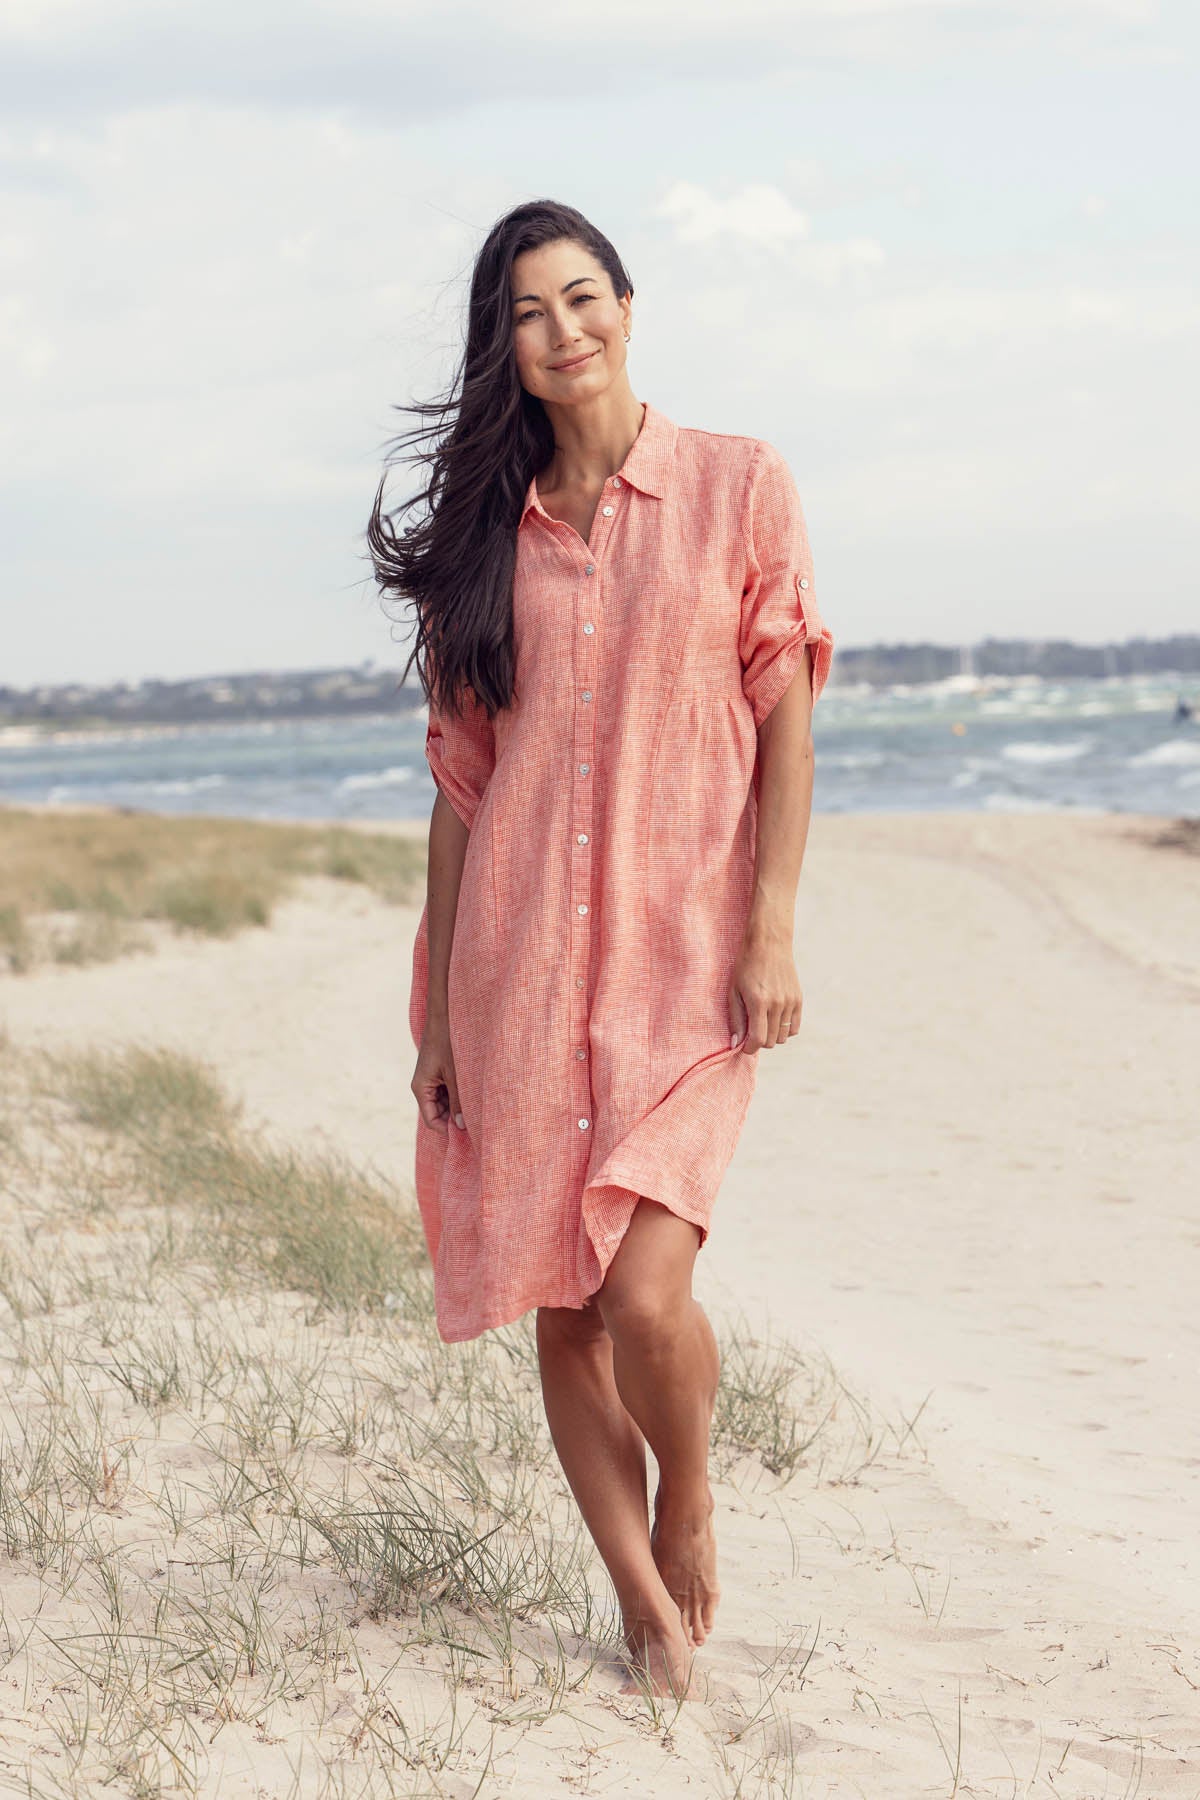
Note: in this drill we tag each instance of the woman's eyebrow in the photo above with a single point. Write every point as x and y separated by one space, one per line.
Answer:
517 299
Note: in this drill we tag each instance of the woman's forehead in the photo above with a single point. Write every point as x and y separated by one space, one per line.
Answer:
554 260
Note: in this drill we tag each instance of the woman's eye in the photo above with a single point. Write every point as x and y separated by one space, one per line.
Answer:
521 317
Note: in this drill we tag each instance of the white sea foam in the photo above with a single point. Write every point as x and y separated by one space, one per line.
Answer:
193 785
374 778
1181 752
853 759
1038 751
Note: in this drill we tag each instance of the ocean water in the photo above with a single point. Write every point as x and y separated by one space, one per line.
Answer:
1110 745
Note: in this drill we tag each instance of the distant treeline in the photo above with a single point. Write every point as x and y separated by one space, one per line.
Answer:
210 699
325 693
1052 658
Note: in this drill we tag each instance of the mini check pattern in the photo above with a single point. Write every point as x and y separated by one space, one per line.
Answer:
609 871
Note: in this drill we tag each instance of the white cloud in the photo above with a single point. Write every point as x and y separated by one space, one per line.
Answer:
756 213
761 217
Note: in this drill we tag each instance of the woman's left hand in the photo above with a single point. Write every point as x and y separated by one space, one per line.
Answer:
765 997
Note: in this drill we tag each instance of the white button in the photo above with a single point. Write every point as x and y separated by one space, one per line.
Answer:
581 1054
589 628
582 838
590 569
584 767
579 981
804 581
607 511
584 1123
582 907
587 693
616 481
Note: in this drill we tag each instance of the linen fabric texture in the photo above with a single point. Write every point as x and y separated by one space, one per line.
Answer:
609 871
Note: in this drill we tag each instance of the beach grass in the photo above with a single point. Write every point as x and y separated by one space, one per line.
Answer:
84 887
232 1443
1178 834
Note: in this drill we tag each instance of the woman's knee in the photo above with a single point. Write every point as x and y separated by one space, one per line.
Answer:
570 1327
640 1310
648 1288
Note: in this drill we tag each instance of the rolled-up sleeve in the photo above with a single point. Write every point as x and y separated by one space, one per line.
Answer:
461 753
779 609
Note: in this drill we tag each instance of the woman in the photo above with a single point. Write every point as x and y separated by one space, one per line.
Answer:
611 609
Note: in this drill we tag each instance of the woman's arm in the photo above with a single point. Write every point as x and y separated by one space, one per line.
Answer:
448 837
766 999
460 749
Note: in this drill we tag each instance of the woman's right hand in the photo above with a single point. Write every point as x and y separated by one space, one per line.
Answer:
434 1082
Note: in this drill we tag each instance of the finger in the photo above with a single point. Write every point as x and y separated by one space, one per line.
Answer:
737 1018
708 1611
453 1102
432 1106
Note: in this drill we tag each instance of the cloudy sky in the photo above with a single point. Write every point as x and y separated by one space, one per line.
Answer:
942 253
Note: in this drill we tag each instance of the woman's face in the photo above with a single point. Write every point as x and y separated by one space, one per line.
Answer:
568 325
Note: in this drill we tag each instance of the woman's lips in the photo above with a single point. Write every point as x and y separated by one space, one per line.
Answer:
576 363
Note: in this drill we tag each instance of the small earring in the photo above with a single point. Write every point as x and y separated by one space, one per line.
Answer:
626 337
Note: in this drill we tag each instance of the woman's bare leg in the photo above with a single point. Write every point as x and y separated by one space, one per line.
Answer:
666 1364
603 1455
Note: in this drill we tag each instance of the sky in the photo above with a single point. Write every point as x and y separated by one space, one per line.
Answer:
942 253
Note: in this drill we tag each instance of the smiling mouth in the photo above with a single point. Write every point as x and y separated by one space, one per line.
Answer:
576 362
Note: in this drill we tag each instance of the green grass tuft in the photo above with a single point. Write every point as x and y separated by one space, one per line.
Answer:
206 875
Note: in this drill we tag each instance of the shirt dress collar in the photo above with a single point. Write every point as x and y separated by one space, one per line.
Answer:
647 467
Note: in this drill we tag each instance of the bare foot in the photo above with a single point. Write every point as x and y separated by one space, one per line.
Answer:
659 1656
684 1545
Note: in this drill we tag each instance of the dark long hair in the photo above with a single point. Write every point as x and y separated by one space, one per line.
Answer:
480 444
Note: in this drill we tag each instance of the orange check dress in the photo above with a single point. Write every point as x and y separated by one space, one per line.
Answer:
609 871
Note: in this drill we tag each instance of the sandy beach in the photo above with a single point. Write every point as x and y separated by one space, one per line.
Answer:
971 1185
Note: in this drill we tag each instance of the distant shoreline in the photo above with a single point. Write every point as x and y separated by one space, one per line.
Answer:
16 734
265 699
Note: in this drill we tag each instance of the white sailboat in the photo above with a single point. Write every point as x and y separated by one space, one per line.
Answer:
966 681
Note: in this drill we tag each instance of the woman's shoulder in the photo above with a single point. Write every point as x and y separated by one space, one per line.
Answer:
727 449
727 459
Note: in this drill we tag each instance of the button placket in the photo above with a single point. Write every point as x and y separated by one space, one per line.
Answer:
588 616
582 778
